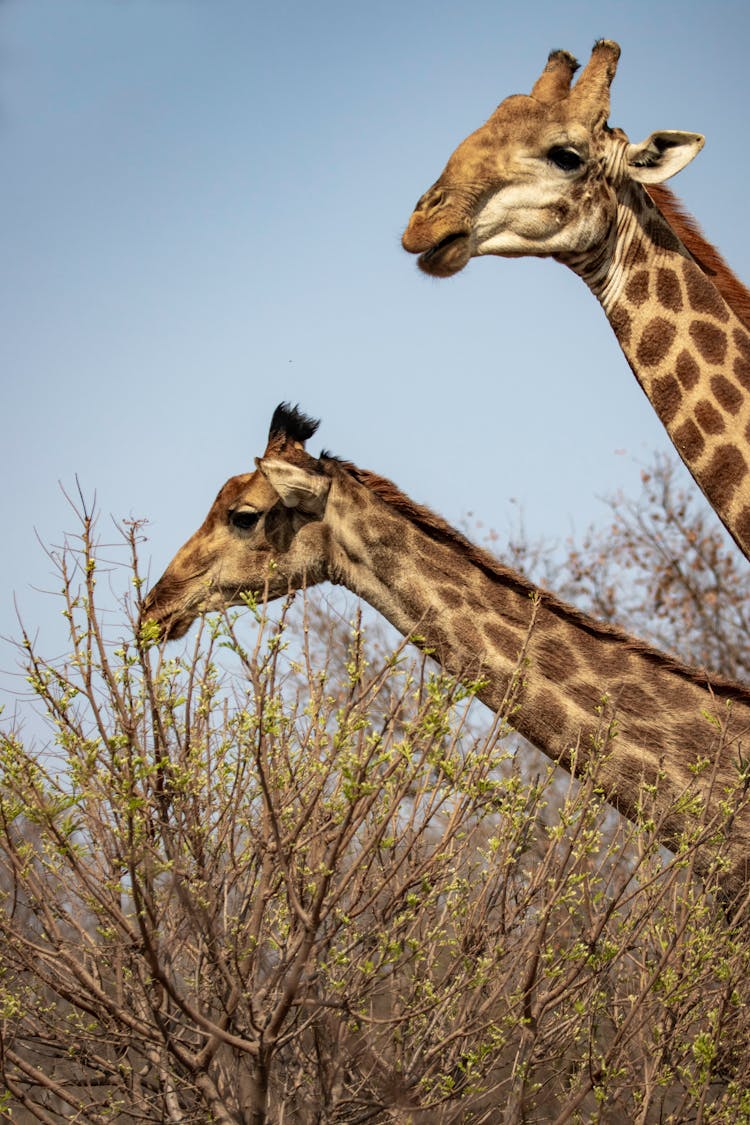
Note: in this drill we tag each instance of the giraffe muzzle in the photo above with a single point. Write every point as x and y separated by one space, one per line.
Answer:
446 257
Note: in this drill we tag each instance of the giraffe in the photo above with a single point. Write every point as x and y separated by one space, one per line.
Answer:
298 520
546 176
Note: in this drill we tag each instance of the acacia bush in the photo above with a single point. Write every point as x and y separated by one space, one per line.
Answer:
290 876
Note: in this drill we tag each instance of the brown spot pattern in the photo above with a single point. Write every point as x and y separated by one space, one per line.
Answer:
467 634
710 341
709 418
726 393
666 397
655 341
742 371
502 639
725 471
742 525
689 735
639 255
636 290
668 290
689 440
703 296
661 234
556 655
449 594
622 324
435 570
688 371
742 341
602 660
634 697
551 711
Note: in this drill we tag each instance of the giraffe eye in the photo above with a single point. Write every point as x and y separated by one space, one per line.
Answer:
244 519
565 158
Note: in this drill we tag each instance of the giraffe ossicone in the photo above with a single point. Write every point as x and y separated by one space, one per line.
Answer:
298 520
547 176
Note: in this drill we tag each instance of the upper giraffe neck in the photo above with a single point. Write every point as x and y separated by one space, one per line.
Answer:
704 252
684 332
477 618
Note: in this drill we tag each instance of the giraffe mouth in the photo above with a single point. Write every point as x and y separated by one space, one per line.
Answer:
172 626
174 616
446 257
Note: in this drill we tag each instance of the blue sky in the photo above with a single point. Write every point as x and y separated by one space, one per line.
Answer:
201 206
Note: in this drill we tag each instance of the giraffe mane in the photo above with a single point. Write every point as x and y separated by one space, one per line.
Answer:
439 530
710 260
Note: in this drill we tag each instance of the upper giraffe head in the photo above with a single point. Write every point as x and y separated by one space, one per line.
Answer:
542 175
263 535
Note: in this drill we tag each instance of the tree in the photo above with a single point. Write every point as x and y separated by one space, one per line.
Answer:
289 876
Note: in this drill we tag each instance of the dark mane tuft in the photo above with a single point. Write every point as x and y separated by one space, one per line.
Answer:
289 422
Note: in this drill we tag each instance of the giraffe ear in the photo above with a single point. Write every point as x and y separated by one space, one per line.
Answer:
297 487
662 155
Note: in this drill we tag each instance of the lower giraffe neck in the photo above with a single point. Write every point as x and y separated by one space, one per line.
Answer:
571 677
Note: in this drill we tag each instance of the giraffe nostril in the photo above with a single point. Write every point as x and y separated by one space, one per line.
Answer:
430 201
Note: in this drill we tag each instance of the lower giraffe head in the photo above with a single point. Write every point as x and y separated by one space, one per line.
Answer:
261 537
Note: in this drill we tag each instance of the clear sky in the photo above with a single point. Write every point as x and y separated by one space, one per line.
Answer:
201 205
